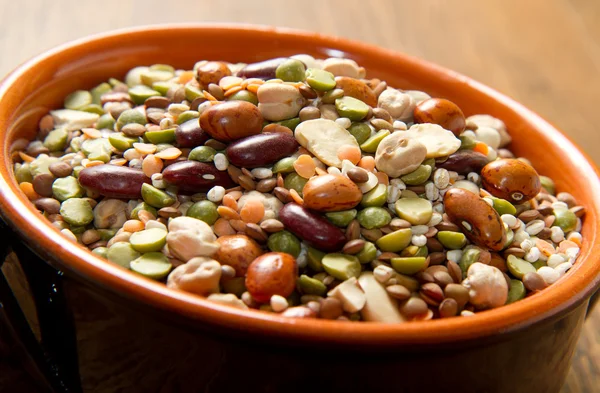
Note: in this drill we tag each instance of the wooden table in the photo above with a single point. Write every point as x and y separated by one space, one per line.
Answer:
543 53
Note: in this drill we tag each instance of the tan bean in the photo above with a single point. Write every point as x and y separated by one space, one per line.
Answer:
356 88
511 179
330 193
237 251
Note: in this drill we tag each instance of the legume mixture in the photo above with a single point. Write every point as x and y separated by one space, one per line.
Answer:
299 186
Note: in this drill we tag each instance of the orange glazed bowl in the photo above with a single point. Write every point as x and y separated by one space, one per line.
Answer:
106 329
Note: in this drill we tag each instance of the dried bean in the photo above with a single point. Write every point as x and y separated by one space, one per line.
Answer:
511 179
189 134
313 229
261 70
114 181
464 161
477 219
192 177
231 120
261 150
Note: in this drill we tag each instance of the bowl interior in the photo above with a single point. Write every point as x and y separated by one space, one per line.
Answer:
42 83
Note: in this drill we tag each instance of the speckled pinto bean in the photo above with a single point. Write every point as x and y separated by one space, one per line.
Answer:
191 177
357 89
237 251
476 218
261 150
441 111
114 181
231 120
511 179
329 193
312 228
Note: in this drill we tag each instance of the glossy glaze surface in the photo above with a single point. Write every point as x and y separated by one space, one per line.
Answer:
40 84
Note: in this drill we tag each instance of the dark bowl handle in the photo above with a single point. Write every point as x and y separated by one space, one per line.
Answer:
53 361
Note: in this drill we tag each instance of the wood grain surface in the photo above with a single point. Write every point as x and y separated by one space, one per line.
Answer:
543 53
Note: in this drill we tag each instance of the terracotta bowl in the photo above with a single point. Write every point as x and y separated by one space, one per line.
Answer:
107 329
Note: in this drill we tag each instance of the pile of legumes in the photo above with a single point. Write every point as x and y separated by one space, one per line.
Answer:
298 186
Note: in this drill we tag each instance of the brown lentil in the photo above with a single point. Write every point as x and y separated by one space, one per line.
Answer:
353 246
42 184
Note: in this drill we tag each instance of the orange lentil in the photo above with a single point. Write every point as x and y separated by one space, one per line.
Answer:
145 216
383 178
209 96
546 248
482 148
574 238
350 153
232 91
275 128
320 171
144 148
133 226
534 203
368 163
230 202
254 81
235 194
280 180
90 164
28 190
185 77
223 228
169 153
305 166
91 133
253 88
228 213
252 212
151 165
118 161
25 157
296 197
566 244
228 82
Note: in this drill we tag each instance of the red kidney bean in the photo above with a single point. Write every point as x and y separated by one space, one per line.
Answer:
191 177
262 70
189 134
464 161
315 230
114 181
261 150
